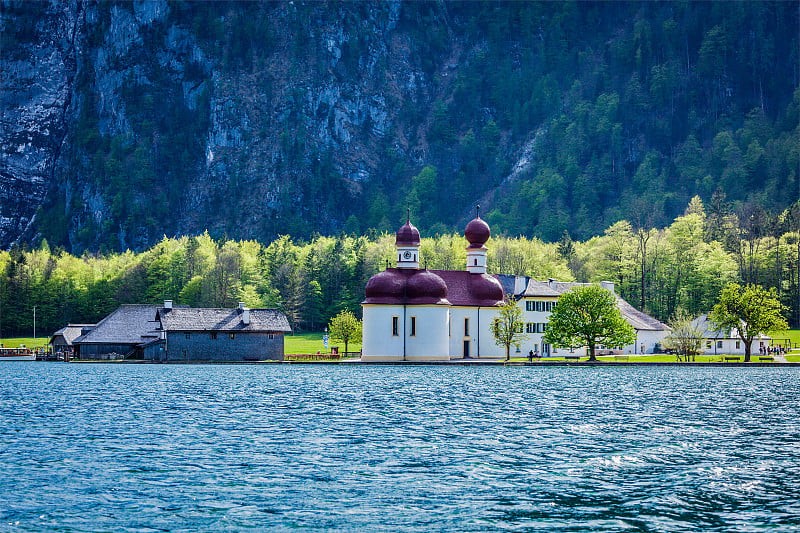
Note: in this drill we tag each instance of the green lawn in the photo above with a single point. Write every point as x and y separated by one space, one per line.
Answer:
27 341
658 358
311 343
792 334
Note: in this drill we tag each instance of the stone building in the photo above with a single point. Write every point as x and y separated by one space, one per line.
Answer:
224 335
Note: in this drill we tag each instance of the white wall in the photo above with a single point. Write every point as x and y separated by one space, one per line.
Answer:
428 344
430 341
377 342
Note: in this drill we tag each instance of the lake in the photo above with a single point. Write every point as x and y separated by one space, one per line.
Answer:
89 447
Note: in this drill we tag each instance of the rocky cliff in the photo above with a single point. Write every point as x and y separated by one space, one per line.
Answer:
124 121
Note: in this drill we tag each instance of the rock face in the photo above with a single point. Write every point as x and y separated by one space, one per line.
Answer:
38 66
124 121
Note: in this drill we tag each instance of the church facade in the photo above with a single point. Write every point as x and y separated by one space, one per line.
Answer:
415 314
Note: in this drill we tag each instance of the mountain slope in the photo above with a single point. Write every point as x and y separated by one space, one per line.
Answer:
258 119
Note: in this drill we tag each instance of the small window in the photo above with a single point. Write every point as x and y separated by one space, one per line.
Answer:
466 327
214 336
413 326
476 261
233 336
188 335
271 336
530 305
738 345
395 326
530 327
719 344
708 344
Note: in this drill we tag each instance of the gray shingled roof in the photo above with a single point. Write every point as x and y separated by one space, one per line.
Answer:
635 318
203 319
70 332
130 324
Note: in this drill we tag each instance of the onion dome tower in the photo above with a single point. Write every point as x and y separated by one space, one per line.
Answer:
407 244
477 233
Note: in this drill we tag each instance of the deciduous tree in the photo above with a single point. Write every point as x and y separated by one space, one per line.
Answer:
345 327
750 309
507 327
588 315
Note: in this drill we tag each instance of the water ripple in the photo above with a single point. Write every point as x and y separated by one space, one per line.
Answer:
182 448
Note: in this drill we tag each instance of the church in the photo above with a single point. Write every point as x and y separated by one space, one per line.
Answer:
416 314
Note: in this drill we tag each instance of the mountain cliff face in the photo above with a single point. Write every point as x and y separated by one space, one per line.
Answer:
125 121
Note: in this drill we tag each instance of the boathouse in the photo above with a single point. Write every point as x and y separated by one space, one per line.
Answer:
62 341
121 335
224 335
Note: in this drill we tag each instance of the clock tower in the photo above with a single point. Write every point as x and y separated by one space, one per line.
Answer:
407 244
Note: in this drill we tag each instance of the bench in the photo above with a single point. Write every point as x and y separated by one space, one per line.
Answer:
727 359
766 358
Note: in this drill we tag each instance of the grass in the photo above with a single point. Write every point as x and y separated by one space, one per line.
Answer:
311 343
28 342
657 358
792 334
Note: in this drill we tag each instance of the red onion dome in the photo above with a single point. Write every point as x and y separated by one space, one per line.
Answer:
407 235
425 287
485 289
477 232
386 287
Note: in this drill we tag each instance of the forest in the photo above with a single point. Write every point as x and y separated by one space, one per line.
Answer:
260 119
680 267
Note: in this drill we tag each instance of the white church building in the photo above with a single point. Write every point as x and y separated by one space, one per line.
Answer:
415 314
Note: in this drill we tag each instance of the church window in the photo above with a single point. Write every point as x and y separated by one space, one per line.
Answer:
395 326
466 327
476 261
413 326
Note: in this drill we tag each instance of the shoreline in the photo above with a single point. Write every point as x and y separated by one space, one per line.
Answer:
455 362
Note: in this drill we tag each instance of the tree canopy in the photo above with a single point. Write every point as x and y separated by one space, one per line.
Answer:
750 310
345 327
587 315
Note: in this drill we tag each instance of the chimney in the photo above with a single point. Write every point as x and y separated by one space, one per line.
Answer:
607 285
241 305
167 304
245 316
551 282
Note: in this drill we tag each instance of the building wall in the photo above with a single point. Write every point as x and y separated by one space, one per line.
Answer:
729 346
96 351
244 346
480 337
428 343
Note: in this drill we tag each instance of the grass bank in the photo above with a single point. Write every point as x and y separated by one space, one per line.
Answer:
311 343
28 342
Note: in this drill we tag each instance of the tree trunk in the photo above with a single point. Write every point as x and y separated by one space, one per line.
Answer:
508 352
747 349
591 352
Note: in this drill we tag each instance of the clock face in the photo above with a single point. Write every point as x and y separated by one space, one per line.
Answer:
407 255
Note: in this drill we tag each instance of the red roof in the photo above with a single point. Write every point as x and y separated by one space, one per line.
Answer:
473 290
398 286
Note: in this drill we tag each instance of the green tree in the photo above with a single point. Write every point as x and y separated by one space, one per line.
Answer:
685 337
750 309
588 315
507 326
345 327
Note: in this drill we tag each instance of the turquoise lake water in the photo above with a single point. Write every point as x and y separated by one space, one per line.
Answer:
107 447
